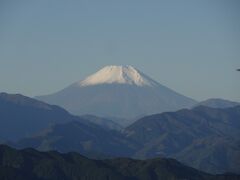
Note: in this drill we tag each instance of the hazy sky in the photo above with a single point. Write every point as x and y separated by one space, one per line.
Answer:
190 46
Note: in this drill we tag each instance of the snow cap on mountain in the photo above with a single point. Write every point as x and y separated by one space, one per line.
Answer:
119 75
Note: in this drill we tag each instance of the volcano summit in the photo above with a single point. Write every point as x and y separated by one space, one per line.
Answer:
118 91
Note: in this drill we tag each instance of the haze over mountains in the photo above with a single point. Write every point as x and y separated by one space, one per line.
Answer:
203 135
204 138
118 91
217 103
21 116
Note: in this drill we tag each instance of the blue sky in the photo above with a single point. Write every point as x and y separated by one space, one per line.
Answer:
190 46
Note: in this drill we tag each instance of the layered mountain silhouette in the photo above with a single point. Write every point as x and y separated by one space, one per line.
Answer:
21 116
217 103
103 122
88 139
29 164
205 138
118 91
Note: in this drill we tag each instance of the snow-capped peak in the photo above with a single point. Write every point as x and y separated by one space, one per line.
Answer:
119 75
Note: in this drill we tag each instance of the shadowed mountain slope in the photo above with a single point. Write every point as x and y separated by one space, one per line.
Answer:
88 139
204 137
30 164
21 116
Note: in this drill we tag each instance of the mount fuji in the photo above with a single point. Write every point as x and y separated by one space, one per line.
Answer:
118 91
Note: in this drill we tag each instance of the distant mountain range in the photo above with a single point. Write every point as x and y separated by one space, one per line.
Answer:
205 138
29 164
21 116
118 91
119 113
88 139
103 122
217 103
